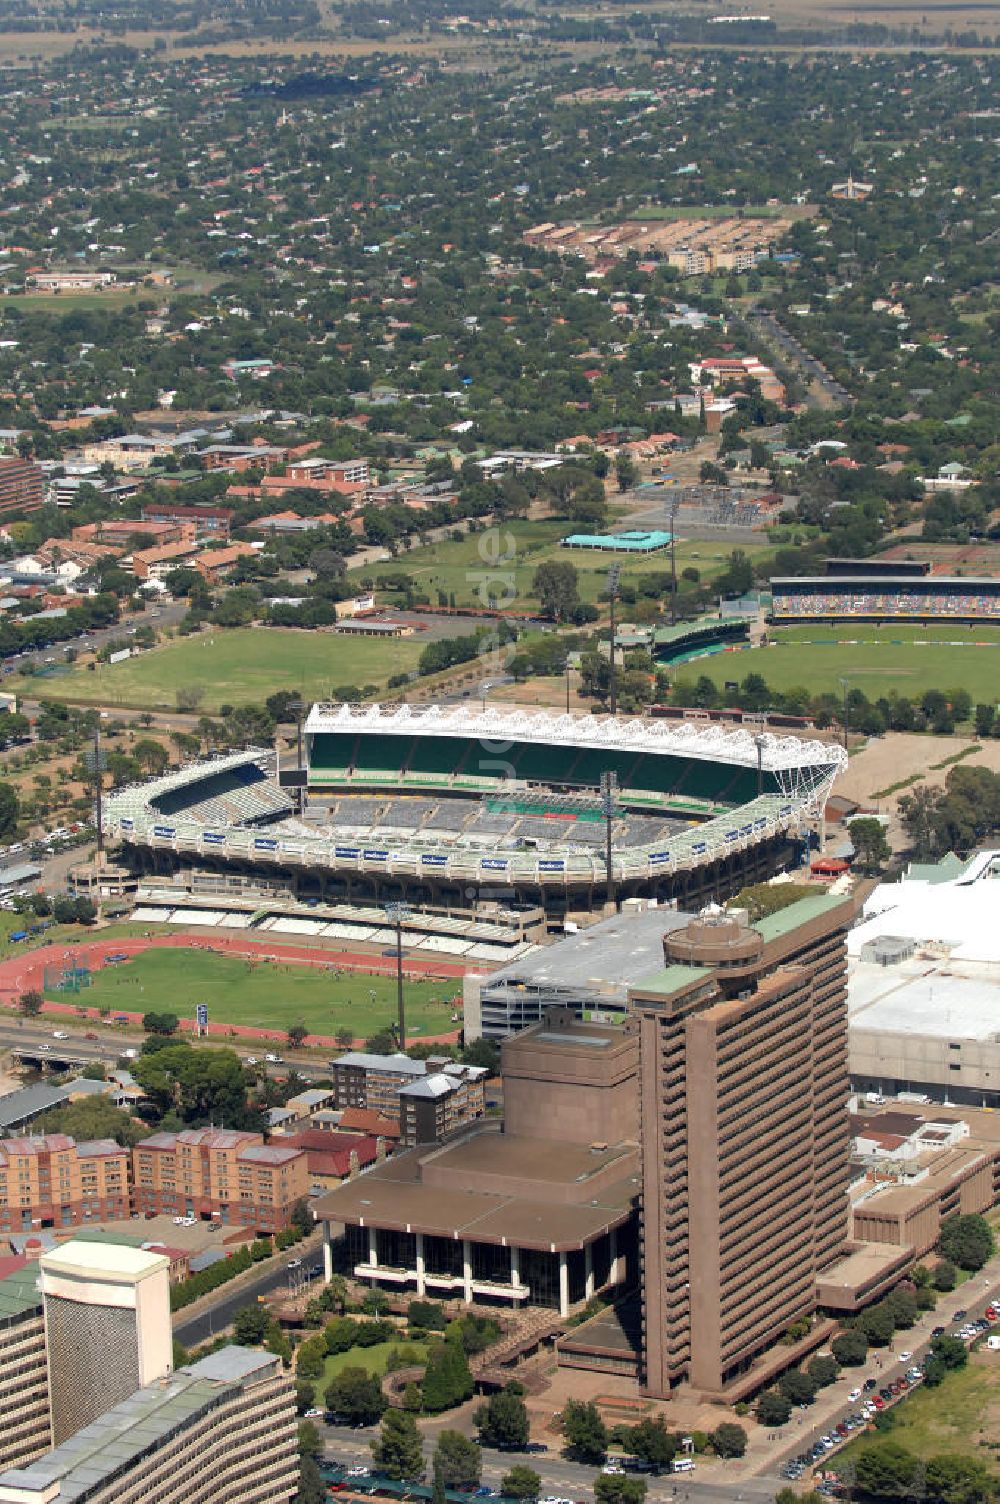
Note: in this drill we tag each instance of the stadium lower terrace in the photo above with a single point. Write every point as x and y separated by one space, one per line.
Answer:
452 809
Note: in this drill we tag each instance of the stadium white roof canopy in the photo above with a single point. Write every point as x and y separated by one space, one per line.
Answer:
626 734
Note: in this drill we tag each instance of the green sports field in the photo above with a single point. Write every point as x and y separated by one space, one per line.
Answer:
238 666
876 660
500 562
266 995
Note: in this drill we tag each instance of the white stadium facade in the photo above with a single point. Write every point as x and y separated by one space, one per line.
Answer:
444 805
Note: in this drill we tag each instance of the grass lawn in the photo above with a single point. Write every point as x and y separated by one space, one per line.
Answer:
266 996
371 1359
470 570
952 1418
875 660
238 666
56 934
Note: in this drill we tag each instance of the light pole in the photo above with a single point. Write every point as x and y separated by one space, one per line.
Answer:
845 685
674 504
759 741
614 575
568 667
609 788
396 913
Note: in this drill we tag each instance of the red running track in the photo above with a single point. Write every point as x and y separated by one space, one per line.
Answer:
25 972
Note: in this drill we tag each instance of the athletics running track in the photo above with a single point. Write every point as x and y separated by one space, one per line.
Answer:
25 972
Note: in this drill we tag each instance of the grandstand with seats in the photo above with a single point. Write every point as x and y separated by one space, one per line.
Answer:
445 806
886 598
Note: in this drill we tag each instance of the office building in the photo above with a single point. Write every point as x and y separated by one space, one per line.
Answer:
219 1174
107 1328
52 1181
26 1431
745 1143
541 1213
429 1098
222 1431
22 487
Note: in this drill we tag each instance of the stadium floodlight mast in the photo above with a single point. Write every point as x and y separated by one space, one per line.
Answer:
614 576
675 502
396 912
609 789
760 742
845 685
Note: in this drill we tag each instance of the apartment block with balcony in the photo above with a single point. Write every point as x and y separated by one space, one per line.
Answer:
52 1181
24 1381
745 1140
219 1174
222 1431
22 487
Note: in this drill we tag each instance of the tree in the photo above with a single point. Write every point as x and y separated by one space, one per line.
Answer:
967 1241
310 1441
886 1470
397 1450
850 1348
160 1023
871 846
797 1387
503 1420
305 1394
945 1276
651 1441
250 1326
619 1488
949 1350
585 1432
29 1004
10 811
200 1085
557 588
737 578
311 1489
729 1440
772 1408
877 1325
297 1035
959 1480
428 1315
151 756
521 1483
355 1396
460 1460
447 1380
823 1371
626 470
93 1118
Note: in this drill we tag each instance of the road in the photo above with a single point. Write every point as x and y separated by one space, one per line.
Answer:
107 1048
572 1480
209 1322
796 354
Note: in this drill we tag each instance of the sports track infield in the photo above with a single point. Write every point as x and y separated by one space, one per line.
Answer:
876 660
244 989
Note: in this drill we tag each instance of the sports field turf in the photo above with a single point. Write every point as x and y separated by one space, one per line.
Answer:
237 666
266 995
876 660
501 563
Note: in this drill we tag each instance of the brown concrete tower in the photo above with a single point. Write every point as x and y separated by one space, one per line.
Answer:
745 1143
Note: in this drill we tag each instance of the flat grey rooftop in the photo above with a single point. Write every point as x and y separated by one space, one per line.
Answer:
606 958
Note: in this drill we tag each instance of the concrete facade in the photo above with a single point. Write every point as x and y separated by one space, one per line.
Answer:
107 1328
745 1143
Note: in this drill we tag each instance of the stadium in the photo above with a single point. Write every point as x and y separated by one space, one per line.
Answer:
453 809
885 597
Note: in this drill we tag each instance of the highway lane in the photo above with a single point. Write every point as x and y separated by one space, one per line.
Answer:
109 1046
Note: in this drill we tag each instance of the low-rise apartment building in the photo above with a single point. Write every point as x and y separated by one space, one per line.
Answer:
52 1181
223 1429
216 521
219 1174
377 1083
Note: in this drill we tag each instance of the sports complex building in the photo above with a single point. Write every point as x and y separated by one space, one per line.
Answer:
451 808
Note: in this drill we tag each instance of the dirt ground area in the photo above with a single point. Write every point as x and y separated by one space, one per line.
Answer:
890 759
